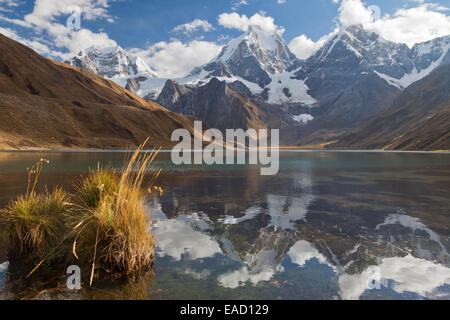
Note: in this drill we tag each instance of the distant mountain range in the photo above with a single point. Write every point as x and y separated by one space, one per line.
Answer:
257 82
347 86
357 74
111 62
51 105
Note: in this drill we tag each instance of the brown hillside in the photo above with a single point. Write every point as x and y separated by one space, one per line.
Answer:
419 119
51 105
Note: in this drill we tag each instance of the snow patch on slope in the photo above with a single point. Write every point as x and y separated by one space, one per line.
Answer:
303 118
284 89
414 75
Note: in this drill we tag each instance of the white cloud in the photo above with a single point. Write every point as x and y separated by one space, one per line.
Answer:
407 25
33 44
423 22
238 3
281 1
189 28
45 11
354 12
175 59
42 21
10 3
413 25
242 22
303 47
18 22
85 38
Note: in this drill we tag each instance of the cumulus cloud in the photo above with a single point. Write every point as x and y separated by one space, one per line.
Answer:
303 47
242 22
45 11
354 12
191 27
85 38
413 25
43 22
424 22
175 59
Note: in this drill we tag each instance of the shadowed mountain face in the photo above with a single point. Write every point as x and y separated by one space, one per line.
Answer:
222 105
46 104
419 119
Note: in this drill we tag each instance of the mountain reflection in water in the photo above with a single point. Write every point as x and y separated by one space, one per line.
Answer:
320 229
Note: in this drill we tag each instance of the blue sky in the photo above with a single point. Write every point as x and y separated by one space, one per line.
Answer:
146 27
152 21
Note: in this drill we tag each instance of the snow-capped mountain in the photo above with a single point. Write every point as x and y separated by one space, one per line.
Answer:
259 59
113 63
357 74
425 57
254 56
263 62
351 79
358 51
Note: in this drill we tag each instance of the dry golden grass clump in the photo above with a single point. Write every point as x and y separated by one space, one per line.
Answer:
104 225
97 183
35 222
112 223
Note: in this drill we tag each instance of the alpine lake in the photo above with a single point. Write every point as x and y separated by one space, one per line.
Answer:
329 225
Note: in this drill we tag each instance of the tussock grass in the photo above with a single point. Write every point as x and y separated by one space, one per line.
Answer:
97 183
35 221
113 226
104 225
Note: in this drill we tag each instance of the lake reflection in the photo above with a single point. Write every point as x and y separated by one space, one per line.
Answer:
328 226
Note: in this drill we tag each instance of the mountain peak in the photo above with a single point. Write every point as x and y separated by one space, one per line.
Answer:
254 56
111 50
356 29
268 47
111 62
